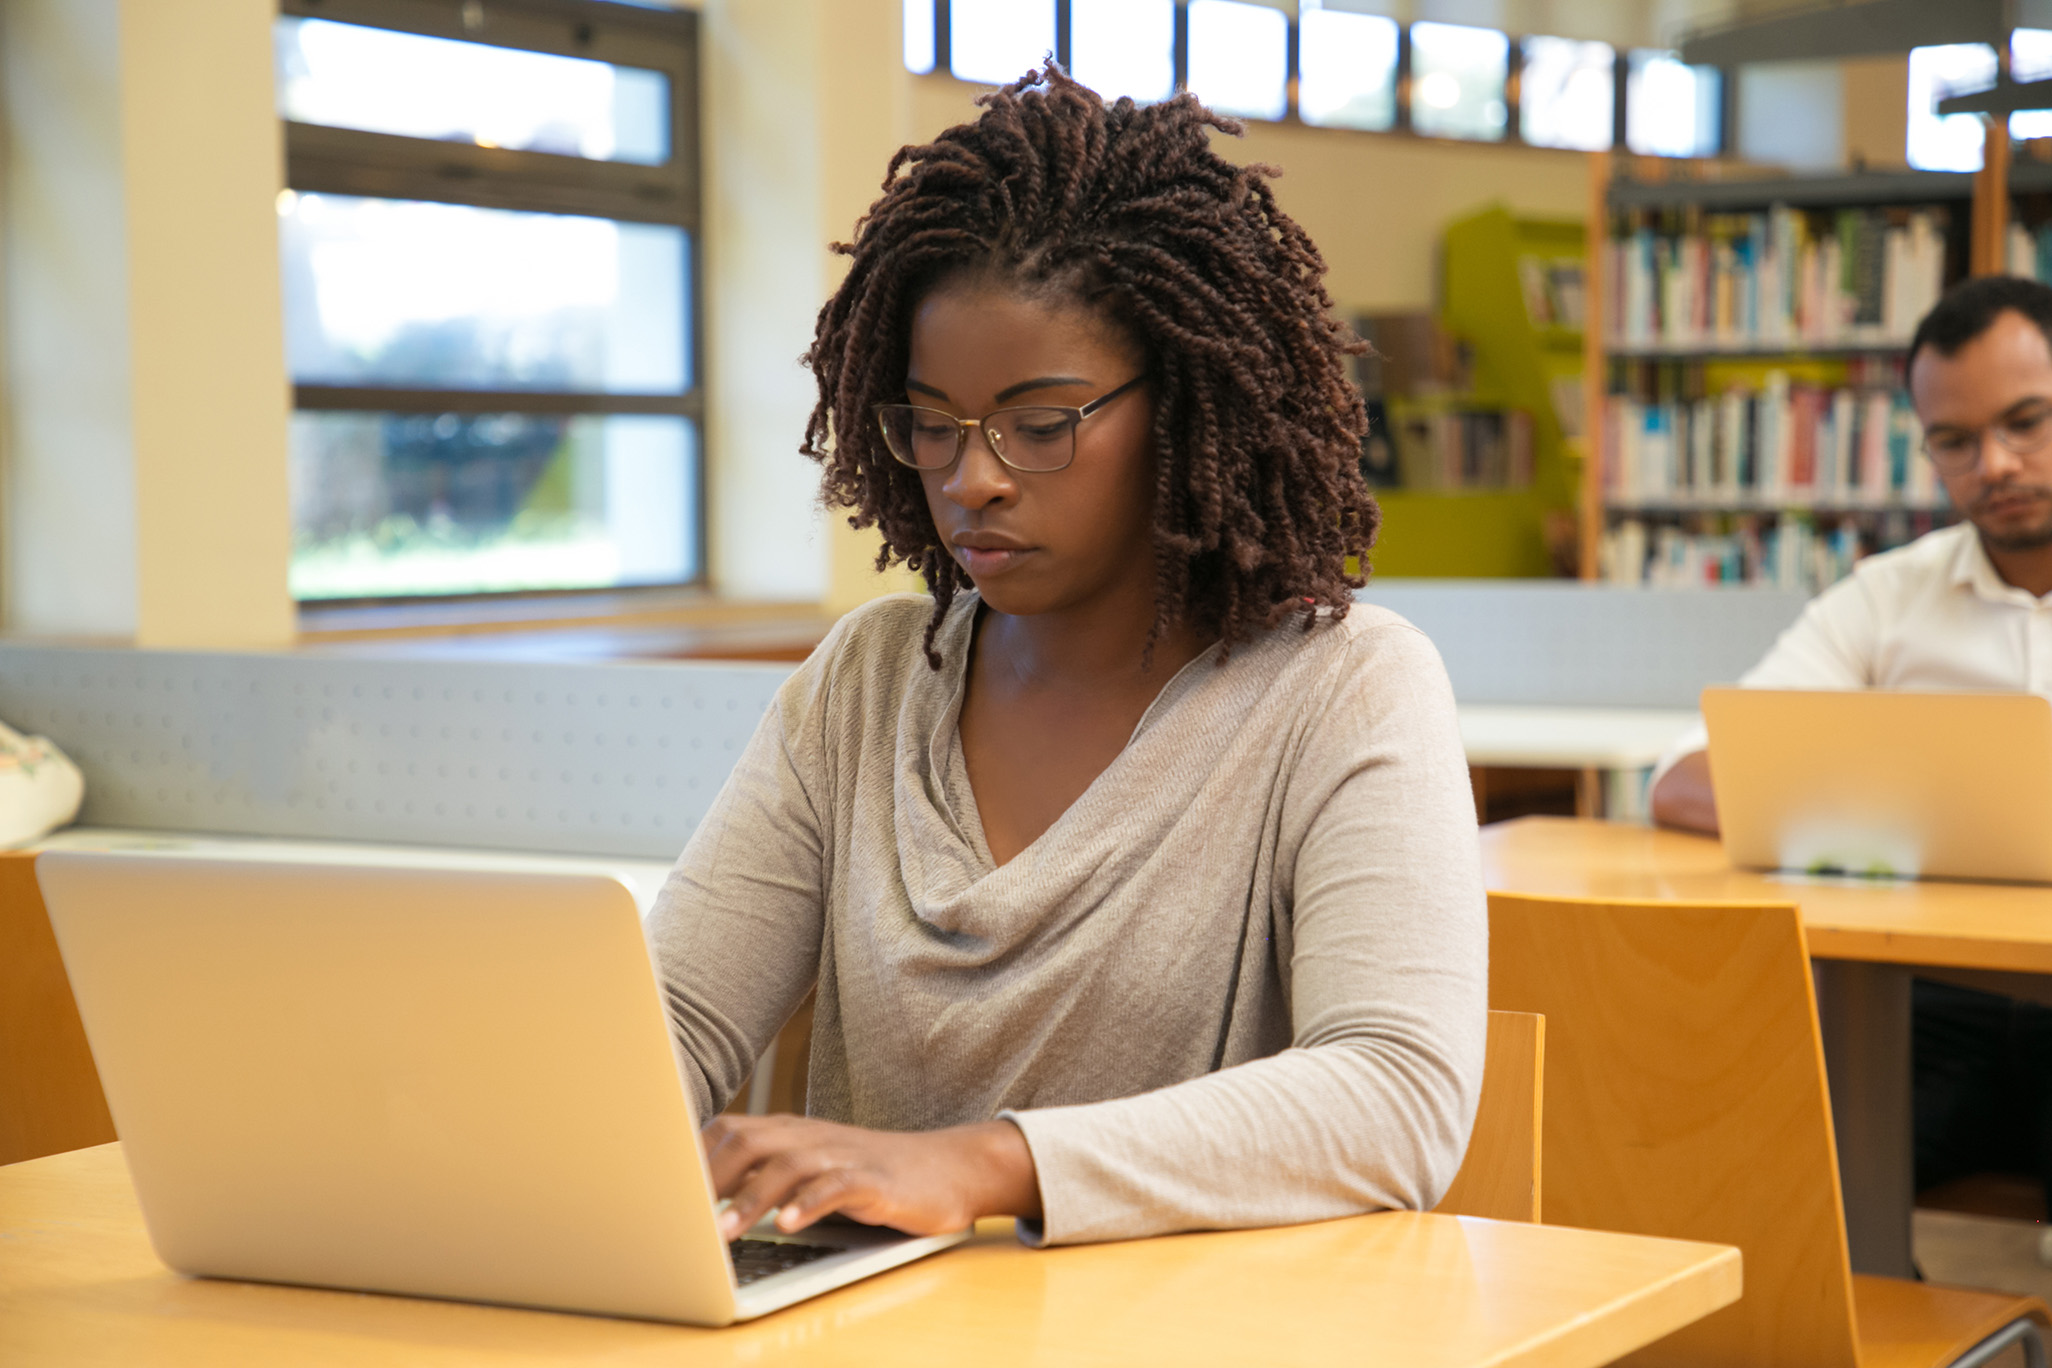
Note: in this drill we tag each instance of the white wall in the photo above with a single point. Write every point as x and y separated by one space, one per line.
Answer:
69 551
147 398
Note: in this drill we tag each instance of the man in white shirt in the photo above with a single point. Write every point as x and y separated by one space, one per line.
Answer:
1966 607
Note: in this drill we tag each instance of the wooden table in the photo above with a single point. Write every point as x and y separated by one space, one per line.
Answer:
1867 939
79 1285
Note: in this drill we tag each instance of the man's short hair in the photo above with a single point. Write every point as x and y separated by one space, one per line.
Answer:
1971 307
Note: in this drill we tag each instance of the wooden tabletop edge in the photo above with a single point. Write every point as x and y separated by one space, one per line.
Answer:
1606 1333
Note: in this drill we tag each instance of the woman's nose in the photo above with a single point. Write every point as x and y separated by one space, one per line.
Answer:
979 478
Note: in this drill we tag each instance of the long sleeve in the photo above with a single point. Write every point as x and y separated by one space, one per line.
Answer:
737 927
1387 974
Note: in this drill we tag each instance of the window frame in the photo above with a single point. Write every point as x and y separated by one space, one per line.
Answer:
342 161
1402 126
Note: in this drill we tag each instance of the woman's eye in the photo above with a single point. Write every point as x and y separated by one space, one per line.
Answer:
1042 432
929 429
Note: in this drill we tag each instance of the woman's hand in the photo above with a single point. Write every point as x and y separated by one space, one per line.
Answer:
920 1182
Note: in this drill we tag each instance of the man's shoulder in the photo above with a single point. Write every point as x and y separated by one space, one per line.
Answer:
1927 563
1934 553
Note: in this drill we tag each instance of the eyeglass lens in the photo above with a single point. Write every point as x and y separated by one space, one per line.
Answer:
2023 433
1024 438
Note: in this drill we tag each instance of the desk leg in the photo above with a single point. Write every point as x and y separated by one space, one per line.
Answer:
1864 1010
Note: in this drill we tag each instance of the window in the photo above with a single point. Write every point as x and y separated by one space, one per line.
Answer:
920 52
489 266
1951 143
1240 58
2030 59
1458 76
1567 94
1349 68
995 42
1672 110
1124 47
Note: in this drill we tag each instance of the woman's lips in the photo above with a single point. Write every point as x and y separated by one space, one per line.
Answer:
991 560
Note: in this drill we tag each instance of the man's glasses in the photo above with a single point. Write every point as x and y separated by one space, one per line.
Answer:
1034 438
1955 451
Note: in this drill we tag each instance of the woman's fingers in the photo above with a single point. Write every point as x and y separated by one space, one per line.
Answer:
734 1146
766 1187
819 1196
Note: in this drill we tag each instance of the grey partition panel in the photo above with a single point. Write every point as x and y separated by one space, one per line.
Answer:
579 758
1559 642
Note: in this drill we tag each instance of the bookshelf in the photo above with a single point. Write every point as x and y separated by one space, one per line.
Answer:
1500 481
1746 361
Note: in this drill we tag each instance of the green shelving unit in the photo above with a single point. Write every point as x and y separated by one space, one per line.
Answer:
1519 364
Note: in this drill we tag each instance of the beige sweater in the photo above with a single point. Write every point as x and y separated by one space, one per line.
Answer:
1242 980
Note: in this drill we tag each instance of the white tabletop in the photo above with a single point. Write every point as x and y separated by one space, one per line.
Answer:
1569 738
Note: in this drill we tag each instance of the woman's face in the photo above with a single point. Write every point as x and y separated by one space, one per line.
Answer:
1038 541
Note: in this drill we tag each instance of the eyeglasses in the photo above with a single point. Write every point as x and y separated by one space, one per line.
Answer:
1955 451
1035 438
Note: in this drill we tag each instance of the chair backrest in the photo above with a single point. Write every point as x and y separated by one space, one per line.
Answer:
50 1098
1686 1098
1499 1177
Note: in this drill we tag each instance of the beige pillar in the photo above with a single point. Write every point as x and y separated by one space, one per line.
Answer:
864 117
202 163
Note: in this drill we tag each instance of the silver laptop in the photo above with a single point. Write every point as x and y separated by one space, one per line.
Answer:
1909 785
445 1083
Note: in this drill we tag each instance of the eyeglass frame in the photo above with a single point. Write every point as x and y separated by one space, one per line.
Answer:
962 426
1980 435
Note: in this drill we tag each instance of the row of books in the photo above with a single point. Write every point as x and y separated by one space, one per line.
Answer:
1792 551
1691 280
1785 444
1553 290
1429 447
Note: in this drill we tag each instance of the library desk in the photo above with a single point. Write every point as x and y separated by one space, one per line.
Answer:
79 1284
1866 939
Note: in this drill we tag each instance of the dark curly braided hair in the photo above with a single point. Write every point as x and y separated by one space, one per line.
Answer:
1259 500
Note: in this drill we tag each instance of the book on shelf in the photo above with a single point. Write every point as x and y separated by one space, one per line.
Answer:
1553 289
1791 551
1786 553
1787 278
1439 447
1783 443
1427 430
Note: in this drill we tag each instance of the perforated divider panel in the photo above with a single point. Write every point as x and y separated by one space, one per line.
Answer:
1563 643
618 760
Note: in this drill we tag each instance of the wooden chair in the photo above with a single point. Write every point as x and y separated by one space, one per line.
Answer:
50 1098
1687 1098
1499 1177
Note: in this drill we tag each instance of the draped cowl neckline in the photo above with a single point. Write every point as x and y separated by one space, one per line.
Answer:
981 910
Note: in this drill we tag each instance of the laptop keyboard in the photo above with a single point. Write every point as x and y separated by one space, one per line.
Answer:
755 1260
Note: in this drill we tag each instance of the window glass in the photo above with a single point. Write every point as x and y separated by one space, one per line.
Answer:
995 42
1240 57
1952 143
1123 47
388 504
1671 110
1567 94
1347 64
446 296
380 81
2030 59
919 35
1458 75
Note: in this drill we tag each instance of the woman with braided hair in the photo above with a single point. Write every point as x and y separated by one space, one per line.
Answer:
1136 867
